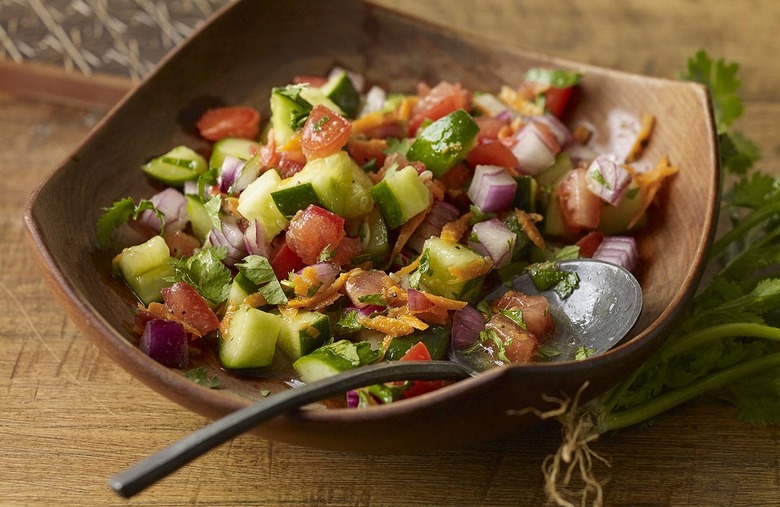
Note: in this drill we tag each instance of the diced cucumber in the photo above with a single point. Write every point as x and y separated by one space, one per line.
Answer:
288 110
342 92
373 236
435 338
444 142
315 96
302 333
239 290
256 202
199 217
616 219
553 224
439 280
554 174
335 181
526 193
235 146
179 165
332 359
400 196
250 340
143 267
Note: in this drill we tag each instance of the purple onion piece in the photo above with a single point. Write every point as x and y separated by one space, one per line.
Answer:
561 132
608 180
492 188
353 399
533 154
493 240
230 236
467 323
230 170
620 250
256 242
173 206
165 341
441 213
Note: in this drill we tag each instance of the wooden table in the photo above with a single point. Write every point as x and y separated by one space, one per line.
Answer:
70 417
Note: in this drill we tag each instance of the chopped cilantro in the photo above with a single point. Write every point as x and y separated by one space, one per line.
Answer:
327 253
479 215
547 276
583 352
516 316
373 299
200 376
119 213
397 146
205 271
259 271
213 206
423 269
348 323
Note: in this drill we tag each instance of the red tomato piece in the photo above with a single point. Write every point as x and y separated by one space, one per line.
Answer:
580 208
491 153
233 121
286 261
315 81
312 230
489 127
535 311
363 151
589 243
519 344
184 302
440 101
324 133
419 352
348 249
556 100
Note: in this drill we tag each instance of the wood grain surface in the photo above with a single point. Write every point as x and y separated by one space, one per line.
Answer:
70 417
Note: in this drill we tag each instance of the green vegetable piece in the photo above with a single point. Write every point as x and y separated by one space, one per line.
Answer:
435 338
332 359
302 333
439 280
145 268
556 78
342 92
250 340
176 167
400 196
206 272
240 148
200 376
444 142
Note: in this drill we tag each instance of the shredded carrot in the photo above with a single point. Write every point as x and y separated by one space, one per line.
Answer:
518 101
413 321
406 107
408 268
648 121
453 231
650 182
386 325
161 311
324 297
527 223
371 121
445 303
407 229
473 269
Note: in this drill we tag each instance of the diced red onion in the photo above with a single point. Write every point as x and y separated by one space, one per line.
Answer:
493 240
533 153
190 187
608 180
326 272
165 341
230 170
492 188
362 284
173 206
557 128
441 213
353 399
620 250
364 311
417 301
467 323
230 236
256 242
375 101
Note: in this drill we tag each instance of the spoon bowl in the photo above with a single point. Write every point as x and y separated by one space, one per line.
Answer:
237 58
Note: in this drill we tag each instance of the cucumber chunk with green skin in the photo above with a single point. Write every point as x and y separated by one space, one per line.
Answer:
302 333
616 219
438 279
556 173
553 224
288 112
435 338
256 202
199 217
374 239
176 167
400 196
332 359
316 97
526 193
240 289
444 142
243 149
143 268
336 181
250 340
342 92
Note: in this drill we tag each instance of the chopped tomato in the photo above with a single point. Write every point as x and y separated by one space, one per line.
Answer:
315 81
233 121
489 126
556 100
519 344
185 303
535 311
313 230
288 166
286 261
324 133
348 249
440 101
580 208
491 153
419 352
589 243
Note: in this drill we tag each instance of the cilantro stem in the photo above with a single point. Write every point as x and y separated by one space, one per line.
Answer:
689 341
652 408
745 224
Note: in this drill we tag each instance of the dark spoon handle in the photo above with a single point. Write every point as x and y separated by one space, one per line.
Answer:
145 473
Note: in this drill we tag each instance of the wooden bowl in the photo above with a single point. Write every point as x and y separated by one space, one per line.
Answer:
252 46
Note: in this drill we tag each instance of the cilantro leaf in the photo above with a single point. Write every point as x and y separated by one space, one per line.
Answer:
204 271
516 316
395 145
372 299
721 80
200 376
737 154
259 271
213 206
546 275
479 215
120 213
348 323
423 269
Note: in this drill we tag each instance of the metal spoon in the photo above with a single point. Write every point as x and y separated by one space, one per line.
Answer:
598 314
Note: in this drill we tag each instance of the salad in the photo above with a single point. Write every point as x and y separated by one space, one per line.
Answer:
358 225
